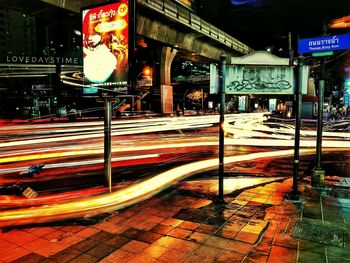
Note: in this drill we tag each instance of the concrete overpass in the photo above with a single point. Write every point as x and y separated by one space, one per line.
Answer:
179 31
176 26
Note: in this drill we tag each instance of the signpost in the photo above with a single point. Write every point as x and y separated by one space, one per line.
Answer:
106 64
319 47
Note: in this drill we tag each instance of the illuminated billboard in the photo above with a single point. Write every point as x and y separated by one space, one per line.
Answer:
105 35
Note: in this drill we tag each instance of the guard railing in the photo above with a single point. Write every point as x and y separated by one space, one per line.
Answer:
187 17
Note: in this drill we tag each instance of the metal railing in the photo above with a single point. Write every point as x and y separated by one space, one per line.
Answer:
186 17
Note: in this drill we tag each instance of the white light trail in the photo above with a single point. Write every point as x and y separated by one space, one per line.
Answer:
147 126
81 163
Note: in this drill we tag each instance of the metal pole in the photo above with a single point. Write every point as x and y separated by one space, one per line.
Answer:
221 92
132 48
48 55
290 49
107 144
202 99
298 100
318 173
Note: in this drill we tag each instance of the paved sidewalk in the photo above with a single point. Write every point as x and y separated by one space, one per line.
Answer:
179 225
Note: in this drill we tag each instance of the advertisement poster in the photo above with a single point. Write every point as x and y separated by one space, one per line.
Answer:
242 103
105 35
272 104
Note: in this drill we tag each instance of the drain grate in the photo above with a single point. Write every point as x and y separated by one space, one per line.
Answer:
322 234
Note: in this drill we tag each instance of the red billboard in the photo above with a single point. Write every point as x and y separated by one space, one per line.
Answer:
105 33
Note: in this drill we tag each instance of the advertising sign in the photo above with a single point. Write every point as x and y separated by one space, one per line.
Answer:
242 103
272 104
324 43
105 33
214 79
347 89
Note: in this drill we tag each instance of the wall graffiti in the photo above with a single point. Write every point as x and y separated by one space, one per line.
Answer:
259 79
246 84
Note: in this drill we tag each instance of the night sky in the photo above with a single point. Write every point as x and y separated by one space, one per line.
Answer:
266 23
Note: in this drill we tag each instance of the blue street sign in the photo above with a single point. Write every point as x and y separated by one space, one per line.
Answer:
324 43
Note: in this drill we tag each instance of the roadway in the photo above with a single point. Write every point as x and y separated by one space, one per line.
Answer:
149 155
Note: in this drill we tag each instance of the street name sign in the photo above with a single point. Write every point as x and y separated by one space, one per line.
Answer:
322 54
324 43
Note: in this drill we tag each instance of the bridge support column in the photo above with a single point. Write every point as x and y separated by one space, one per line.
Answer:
166 90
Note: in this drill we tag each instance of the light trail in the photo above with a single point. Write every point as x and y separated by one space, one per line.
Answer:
285 143
115 149
256 127
81 163
127 128
124 197
129 195
134 148
130 123
100 135
143 190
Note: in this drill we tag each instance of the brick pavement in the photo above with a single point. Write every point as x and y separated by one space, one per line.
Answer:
178 226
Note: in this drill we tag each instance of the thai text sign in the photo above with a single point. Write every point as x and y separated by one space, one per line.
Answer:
106 45
241 79
324 43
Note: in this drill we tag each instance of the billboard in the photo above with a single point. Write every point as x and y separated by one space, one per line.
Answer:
105 35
